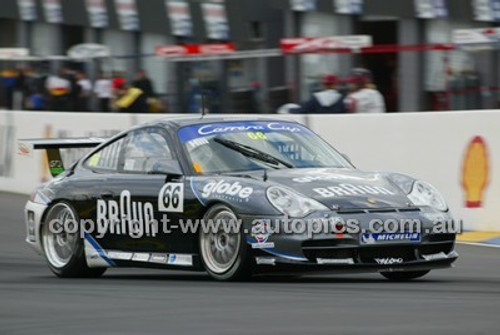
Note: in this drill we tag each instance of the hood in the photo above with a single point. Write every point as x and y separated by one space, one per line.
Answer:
342 188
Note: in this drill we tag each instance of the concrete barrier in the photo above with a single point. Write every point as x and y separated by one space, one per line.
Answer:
458 152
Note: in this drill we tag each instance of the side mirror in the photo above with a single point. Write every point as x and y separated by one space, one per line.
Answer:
347 158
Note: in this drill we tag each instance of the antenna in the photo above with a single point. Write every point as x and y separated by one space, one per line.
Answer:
204 107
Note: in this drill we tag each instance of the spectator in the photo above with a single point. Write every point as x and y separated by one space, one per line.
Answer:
364 97
143 83
103 91
84 91
327 101
128 99
10 79
59 88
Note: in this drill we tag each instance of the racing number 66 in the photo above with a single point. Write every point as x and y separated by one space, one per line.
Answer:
171 198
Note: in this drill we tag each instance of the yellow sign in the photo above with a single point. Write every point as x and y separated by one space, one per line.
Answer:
475 172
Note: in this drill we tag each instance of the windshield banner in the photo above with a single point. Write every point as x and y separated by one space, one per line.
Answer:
190 133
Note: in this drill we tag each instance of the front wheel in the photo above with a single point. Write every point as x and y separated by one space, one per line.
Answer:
404 276
224 253
64 251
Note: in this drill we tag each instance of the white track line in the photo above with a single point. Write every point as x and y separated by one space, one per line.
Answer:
480 244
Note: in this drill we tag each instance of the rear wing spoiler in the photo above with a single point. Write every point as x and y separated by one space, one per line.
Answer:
53 146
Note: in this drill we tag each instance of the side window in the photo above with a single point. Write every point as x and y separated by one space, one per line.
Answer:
146 151
107 158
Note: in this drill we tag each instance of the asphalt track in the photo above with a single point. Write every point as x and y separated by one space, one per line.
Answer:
463 300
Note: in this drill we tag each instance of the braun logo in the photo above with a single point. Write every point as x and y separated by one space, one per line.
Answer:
388 261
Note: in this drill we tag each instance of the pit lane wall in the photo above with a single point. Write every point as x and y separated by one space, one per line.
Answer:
458 152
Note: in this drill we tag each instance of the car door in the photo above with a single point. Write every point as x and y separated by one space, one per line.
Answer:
149 185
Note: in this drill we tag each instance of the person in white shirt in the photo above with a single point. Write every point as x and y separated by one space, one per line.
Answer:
59 89
364 98
104 92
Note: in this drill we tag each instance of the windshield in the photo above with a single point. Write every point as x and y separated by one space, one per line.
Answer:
246 146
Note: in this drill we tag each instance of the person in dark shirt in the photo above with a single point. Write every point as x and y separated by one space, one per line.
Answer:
143 83
327 101
128 99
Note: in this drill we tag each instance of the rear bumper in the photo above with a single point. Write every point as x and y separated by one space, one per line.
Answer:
33 216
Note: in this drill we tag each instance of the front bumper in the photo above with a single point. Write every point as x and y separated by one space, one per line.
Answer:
345 253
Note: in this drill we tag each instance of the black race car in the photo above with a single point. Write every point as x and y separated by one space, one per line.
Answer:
234 197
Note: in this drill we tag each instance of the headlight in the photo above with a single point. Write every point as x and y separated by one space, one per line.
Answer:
292 203
419 192
424 194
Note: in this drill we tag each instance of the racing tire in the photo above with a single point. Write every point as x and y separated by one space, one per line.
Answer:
225 256
404 276
64 252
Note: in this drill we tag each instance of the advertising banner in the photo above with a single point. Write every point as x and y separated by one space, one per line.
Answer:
431 9
216 24
98 13
323 44
179 15
27 10
350 7
304 5
195 49
127 14
486 10
53 11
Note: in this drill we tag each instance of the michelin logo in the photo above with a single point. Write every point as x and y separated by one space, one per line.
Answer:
225 190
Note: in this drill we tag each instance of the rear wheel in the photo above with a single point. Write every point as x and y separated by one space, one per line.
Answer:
404 276
64 250
224 254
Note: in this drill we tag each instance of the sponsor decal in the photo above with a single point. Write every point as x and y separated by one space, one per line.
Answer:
56 167
374 238
25 149
227 191
120 255
126 217
190 133
335 261
266 245
171 198
141 257
475 172
260 235
261 232
159 258
388 261
325 177
351 190
265 260
180 259
434 257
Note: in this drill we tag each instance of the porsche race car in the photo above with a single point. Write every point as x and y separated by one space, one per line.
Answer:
233 197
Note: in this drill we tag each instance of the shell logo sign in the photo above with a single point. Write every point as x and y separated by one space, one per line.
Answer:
475 172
